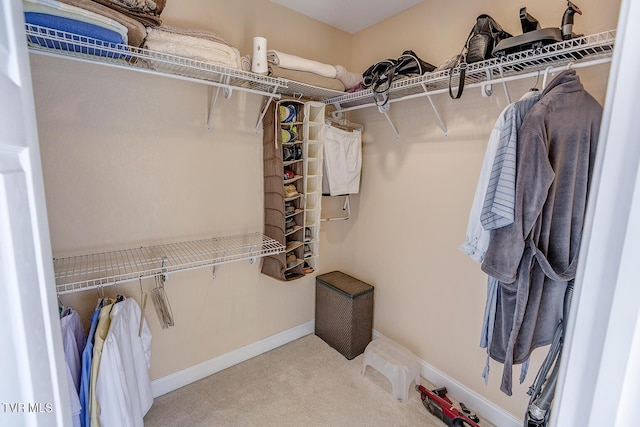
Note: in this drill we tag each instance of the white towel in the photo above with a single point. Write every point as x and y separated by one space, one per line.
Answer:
342 161
292 62
195 48
56 8
348 79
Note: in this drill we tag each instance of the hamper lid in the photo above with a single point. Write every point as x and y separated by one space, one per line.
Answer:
344 283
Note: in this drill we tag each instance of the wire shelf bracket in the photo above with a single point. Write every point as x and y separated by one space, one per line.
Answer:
345 207
227 91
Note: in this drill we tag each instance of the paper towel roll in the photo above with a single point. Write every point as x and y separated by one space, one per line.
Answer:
259 59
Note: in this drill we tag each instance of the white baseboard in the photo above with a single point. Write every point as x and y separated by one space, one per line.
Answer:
202 370
459 392
480 405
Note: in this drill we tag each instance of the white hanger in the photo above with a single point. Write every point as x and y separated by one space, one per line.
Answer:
544 79
344 124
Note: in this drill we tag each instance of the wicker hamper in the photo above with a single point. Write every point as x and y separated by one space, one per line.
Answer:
344 312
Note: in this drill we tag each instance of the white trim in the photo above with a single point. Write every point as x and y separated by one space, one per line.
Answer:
480 405
202 370
484 408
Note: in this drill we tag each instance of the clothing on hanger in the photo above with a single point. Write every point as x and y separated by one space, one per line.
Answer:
342 161
535 256
344 124
73 341
102 328
498 169
123 388
87 358
494 202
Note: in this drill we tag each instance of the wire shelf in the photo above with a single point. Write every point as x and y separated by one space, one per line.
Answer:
62 44
109 268
52 42
512 66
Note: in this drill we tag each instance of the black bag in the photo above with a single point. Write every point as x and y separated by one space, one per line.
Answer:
483 38
380 75
485 35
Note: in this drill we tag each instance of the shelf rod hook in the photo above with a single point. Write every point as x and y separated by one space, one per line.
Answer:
544 78
487 88
228 89
252 259
165 276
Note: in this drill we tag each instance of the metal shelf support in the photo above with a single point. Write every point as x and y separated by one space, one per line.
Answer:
227 91
435 111
345 207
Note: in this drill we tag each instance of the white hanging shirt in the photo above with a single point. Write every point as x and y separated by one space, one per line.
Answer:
123 388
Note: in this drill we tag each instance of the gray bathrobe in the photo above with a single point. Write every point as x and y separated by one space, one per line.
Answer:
535 257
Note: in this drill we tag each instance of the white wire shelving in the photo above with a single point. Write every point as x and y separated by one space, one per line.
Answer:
98 270
47 41
577 52
103 269
580 50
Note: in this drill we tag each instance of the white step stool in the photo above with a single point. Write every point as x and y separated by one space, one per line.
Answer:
395 362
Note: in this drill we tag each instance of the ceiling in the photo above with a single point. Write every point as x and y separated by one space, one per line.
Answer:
350 16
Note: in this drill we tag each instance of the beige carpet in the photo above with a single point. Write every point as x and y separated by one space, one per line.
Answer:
303 383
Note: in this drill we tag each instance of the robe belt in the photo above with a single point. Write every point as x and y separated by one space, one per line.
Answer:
568 274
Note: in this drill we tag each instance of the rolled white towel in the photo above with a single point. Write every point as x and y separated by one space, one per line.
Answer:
292 62
348 79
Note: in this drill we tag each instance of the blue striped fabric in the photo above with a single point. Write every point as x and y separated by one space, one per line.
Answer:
499 201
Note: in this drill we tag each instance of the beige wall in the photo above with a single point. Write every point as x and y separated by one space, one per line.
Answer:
127 162
437 29
411 216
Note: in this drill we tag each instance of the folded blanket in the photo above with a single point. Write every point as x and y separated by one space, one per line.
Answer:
136 31
72 26
153 7
306 78
201 34
147 19
78 29
292 62
192 47
245 63
55 8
